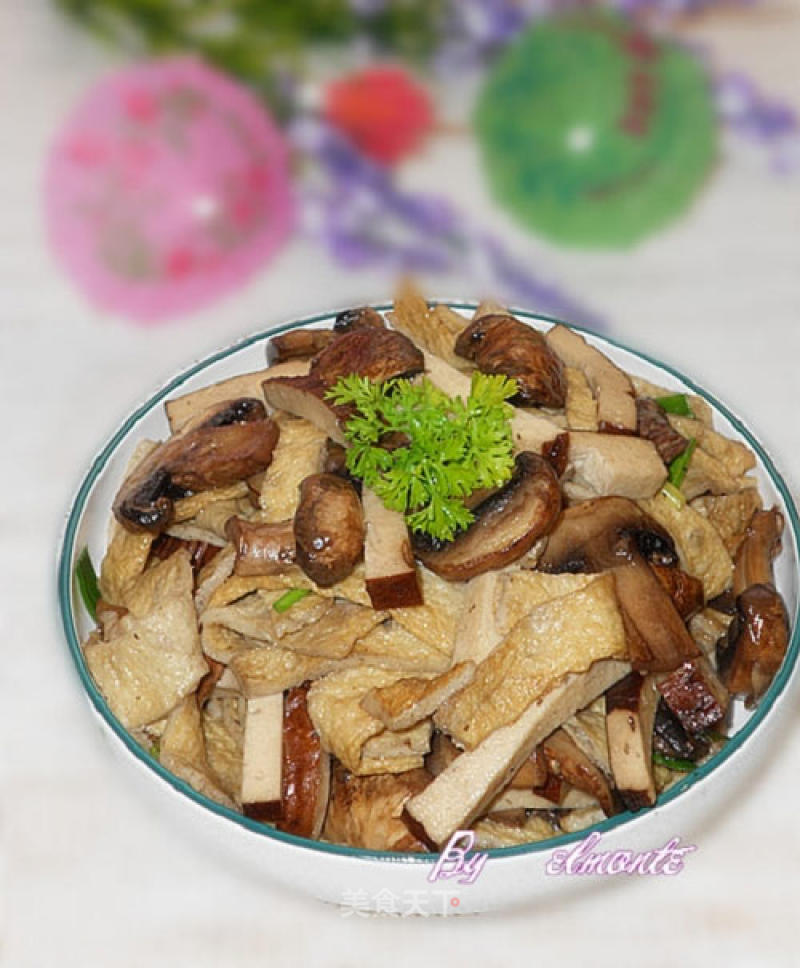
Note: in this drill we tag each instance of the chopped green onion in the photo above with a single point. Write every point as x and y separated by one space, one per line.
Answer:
87 582
679 766
292 597
677 497
677 403
154 749
679 467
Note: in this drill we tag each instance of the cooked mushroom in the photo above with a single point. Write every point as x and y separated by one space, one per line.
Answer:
616 405
305 785
328 529
685 590
499 343
298 344
671 739
261 549
229 443
603 533
695 695
304 396
391 573
759 635
652 424
379 354
359 318
631 707
567 760
506 525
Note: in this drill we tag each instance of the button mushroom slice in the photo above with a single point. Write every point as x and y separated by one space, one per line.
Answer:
298 344
653 424
762 542
261 549
499 343
603 533
631 706
233 441
391 573
616 399
358 318
262 758
305 785
378 354
685 591
567 760
328 529
695 694
304 396
506 526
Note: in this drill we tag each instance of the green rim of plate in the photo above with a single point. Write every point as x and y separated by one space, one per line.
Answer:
66 600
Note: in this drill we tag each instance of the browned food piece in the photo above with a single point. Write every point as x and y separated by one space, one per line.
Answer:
232 442
378 354
334 460
443 752
757 642
261 549
358 318
556 453
206 685
328 529
685 590
759 635
652 424
297 344
200 552
671 739
566 760
367 811
304 396
306 770
532 774
604 532
631 706
499 343
658 640
762 542
391 573
695 695
404 703
506 525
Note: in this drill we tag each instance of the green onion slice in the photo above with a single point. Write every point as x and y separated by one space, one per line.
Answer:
679 766
677 403
86 577
292 597
679 467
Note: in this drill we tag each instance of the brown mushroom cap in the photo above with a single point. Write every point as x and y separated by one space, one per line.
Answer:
378 354
506 525
298 344
232 442
328 529
499 343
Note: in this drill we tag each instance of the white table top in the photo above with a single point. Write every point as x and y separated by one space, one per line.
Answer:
90 876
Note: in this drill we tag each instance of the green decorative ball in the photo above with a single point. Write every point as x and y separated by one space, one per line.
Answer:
594 133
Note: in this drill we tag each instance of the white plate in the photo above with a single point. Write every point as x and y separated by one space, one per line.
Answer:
369 879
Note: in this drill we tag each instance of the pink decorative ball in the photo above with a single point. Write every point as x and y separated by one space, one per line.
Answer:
166 188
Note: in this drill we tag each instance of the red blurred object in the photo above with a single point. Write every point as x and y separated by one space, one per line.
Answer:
382 110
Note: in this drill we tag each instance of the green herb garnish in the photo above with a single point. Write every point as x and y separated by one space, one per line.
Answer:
154 749
679 467
292 597
676 403
87 582
679 766
454 446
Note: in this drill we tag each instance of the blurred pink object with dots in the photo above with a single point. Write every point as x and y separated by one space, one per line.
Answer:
166 188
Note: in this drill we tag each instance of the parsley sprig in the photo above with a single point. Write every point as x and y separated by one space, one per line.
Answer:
453 448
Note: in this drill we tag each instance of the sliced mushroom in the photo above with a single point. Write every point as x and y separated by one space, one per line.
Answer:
298 344
506 526
359 318
231 442
378 354
603 533
631 706
759 635
306 770
567 760
685 590
616 403
695 695
328 529
499 343
261 549
391 573
652 424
